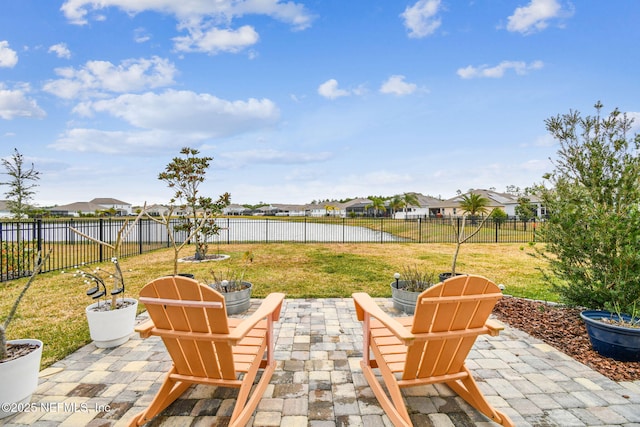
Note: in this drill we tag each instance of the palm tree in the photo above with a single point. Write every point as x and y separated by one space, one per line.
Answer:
377 204
396 204
474 204
471 204
409 199
329 208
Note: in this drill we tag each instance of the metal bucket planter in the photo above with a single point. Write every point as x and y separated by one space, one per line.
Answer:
403 300
238 301
611 340
111 328
19 379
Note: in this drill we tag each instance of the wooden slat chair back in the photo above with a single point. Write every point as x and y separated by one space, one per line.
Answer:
430 347
206 346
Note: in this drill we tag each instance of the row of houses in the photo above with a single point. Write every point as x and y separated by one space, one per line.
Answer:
427 207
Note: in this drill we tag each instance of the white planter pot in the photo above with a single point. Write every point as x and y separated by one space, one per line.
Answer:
111 328
19 379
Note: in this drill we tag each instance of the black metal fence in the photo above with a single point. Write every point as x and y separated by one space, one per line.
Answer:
20 240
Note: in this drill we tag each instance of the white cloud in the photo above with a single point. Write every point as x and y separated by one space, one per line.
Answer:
329 89
140 35
193 11
270 156
15 103
535 16
167 120
61 50
8 56
187 113
118 142
96 78
216 40
420 19
520 67
397 86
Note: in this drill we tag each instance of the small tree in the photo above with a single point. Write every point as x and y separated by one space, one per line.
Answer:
499 216
526 210
478 205
21 184
184 175
593 230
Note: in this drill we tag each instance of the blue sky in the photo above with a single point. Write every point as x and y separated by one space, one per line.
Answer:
304 100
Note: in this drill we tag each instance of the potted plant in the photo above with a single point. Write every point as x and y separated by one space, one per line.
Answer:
19 359
592 234
407 286
112 318
231 284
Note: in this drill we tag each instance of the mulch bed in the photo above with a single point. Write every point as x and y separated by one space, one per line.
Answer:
562 328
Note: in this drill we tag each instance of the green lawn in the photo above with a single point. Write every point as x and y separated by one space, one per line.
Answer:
53 309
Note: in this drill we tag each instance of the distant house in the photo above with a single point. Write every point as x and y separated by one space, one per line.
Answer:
236 209
96 205
4 209
158 210
426 208
505 201
122 208
358 207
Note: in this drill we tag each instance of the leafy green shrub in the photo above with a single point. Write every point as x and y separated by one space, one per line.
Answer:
593 230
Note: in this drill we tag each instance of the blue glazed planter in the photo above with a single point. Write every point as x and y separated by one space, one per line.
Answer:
617 342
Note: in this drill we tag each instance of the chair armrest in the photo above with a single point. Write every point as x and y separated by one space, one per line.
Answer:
494 327
270 307
145 328
365 304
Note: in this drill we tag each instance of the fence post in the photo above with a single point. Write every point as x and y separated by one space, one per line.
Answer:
419 229
101 238
39 235
497 224
139 236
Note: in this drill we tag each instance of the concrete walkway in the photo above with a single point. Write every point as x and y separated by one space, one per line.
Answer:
319 383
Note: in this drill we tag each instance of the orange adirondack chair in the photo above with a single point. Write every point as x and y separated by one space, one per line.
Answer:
206 346
431 346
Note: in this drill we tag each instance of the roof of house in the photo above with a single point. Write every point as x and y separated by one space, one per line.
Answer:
495 198
78 207
108 201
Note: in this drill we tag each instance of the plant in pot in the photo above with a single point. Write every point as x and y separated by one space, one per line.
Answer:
407 286
19 359
112 318
231 284
472 205
197 213
592 234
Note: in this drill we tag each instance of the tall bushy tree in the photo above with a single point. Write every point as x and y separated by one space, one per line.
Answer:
593 202
21 184
184 175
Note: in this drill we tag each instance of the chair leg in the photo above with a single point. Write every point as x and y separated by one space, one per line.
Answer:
169 392
467 388
243 411
396 410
